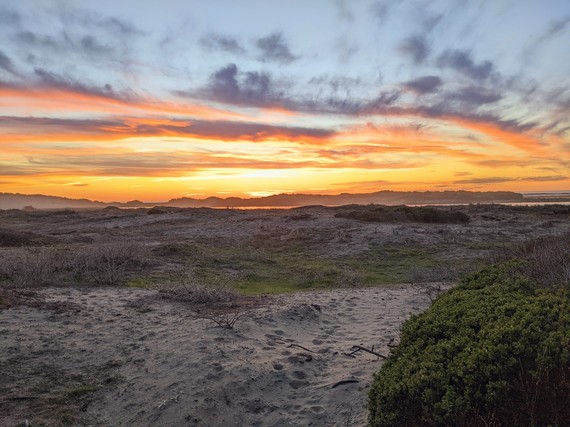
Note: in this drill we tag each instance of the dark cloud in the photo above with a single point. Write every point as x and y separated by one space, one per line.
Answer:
223 130
49 80
492 163
274 49
422 85
380 10
9 17
429 22
383 101
145 164
44 125
6 64
488 180
498 180
221 43
344 10
93 20
224 83
334 85
553 30
475 96
32 39
461 61
251 88
415 47
226 130
546 178
87 45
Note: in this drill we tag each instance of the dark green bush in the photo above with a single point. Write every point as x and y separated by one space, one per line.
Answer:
495 351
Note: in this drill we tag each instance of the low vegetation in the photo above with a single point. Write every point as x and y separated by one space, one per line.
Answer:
106 264
494 351
423 214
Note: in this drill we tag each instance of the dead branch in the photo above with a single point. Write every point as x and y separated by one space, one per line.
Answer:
300 346
338 383
342 382
357 348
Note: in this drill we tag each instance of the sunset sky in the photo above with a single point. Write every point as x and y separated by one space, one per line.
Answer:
116 100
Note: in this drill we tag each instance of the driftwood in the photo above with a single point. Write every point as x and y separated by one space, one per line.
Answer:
343 382
300 346
357 348
338 383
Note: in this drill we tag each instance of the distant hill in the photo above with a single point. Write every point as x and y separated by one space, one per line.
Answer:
380 197
39 201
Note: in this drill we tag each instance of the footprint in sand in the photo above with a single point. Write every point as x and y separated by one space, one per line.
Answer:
300 375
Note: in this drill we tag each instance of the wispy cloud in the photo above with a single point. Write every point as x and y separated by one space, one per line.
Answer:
415 47
462 62
273 48
219 42
425 84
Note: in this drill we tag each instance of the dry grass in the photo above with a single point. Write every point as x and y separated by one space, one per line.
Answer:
106 264
188 289
422 214
546 259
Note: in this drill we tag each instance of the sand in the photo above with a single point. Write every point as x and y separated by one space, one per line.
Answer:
155 362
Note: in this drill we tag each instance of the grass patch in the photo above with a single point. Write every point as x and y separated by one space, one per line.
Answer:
253 270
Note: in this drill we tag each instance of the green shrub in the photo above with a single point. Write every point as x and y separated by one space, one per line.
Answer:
495 351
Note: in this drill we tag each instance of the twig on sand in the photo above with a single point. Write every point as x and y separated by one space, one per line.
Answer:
343 382
357 348
300 346
338 383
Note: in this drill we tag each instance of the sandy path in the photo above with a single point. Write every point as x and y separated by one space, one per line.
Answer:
175 369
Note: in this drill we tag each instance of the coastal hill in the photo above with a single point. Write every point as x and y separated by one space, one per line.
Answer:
39 201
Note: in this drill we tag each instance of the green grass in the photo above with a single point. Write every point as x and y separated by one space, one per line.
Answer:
253 270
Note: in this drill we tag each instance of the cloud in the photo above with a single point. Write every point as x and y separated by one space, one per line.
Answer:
487 180
346 49
494 163
546 178
274 49
227 130
221 43
49 80
475 95
89 19
553 30
77 129
9 17
85 45
6 64
415 47
498 180
422 85
343 10
251 88
380 10
461 61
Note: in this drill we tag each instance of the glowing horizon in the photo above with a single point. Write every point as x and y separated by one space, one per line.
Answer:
113 105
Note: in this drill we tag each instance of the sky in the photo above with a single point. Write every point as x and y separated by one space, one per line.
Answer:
121 100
